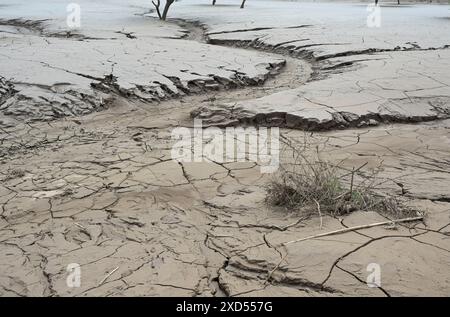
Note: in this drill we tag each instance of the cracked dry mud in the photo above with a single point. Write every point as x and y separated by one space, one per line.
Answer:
102 190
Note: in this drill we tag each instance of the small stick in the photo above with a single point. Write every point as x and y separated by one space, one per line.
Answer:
354 228
107 275
320 213
351 183
80 226
353 169
293 224
275 268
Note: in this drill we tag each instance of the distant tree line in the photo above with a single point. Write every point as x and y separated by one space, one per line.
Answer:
398 1
163 15
242 4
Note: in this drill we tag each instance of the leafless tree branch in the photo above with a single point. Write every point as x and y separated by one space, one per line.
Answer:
157 4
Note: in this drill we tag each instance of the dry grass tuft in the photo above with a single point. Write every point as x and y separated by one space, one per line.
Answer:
310 184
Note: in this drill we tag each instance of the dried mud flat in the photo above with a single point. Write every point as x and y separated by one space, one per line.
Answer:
85 159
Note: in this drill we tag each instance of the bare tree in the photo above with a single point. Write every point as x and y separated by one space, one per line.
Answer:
376 2
157 4
242 4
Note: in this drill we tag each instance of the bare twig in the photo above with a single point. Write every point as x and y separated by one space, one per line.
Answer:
293 224
355 228
353 171
351 182
107 275
320 213
275 268
79 226
157 4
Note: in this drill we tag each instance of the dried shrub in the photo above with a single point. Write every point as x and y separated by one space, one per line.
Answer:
309 183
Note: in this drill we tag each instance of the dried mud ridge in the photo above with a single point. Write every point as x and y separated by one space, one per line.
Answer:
322 67
16 104
38 28
226 116
73 102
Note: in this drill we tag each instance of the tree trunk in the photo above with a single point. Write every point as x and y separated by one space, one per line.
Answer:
157 4
166 8
243 3
214 2
376 2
